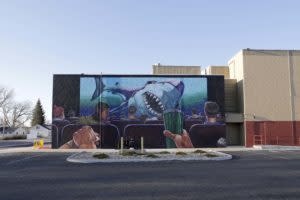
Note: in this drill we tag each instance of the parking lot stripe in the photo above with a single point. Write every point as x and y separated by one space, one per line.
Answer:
22 159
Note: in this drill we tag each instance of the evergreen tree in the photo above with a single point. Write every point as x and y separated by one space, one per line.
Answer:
38 114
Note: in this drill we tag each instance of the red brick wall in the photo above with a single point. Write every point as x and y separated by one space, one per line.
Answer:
273 132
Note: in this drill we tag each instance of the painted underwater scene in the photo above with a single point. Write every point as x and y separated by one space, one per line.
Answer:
142 97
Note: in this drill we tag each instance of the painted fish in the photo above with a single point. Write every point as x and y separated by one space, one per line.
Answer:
152 99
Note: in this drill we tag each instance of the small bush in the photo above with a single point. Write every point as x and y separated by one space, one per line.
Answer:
101 156
132 153
151 155
180 153
14 137
199 151
164 152
209 155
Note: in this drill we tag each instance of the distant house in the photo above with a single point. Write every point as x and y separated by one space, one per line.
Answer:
42 131
21 131
7 130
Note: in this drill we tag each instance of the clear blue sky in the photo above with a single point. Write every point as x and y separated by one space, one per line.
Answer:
41 38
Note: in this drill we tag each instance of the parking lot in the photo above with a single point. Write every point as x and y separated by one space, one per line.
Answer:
250 175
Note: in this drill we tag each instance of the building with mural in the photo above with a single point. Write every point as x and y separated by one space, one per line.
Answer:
95 111
253 100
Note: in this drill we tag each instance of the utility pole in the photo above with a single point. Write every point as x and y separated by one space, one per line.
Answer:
3 126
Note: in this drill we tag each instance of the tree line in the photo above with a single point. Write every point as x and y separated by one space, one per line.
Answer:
17 113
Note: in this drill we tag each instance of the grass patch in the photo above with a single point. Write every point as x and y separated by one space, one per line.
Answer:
101 156
164 152
151 155
180 153
209 155
199 151
132 153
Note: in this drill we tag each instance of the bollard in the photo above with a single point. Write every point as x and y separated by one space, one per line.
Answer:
142 144
41 144
35 144
122 145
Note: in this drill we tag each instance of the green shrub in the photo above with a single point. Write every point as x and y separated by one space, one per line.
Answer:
101 156
132 153
180 153
151 155
164 152
199 151
209 155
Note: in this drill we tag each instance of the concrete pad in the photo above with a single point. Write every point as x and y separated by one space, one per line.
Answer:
32 150
276 147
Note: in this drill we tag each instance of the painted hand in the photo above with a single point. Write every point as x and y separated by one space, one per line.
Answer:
181 141
86 138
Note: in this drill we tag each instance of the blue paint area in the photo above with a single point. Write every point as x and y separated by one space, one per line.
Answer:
151 96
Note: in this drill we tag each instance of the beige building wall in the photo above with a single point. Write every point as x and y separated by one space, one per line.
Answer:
267 85
236 67
159 69
230 98
236 71
218 70
295 79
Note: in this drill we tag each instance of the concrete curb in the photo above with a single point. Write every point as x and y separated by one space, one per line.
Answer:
276 147
32 150
87 157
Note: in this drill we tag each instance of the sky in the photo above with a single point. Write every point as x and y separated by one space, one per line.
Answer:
42 38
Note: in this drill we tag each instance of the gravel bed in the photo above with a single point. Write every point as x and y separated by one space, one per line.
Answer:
88 157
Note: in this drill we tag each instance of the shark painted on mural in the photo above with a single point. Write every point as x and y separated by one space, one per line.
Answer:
151 100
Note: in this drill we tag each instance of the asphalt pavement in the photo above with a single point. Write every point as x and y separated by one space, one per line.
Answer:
250 175
15 143
6 144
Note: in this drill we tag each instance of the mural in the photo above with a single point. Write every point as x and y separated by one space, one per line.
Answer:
167 111
142 97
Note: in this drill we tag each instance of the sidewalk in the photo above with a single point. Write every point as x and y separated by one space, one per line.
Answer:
276 147
226 149
48 150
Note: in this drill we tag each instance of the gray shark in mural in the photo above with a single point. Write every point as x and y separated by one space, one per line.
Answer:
152 99
99 88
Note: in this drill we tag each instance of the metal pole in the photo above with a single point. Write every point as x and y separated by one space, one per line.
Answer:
291 91
3 123
100 101
142 144
265 132
122 145
100 111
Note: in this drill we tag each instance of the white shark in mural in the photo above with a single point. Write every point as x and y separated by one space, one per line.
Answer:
151 100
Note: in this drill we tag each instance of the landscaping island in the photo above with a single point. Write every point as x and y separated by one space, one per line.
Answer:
148 156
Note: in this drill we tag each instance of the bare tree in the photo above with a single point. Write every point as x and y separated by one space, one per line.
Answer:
6 95
17 114
14 114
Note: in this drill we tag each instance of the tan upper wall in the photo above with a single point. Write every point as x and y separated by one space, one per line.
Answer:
270 84
235 65
230 98
169 69
296 83
236 71
218 70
